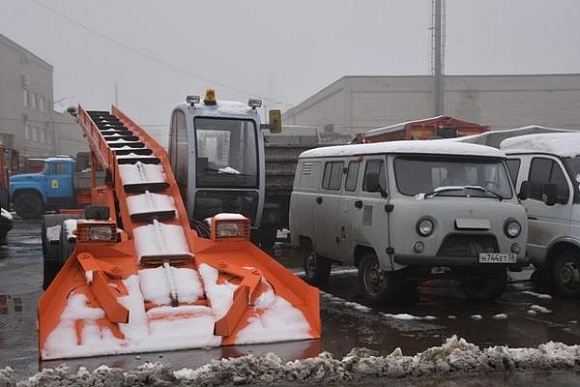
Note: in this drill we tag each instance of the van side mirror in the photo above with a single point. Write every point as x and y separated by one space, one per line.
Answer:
275 116
524 190
373 185
549 194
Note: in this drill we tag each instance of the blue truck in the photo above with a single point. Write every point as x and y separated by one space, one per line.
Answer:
63 183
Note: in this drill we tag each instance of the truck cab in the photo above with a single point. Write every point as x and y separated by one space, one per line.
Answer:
216 151
546 171
32 193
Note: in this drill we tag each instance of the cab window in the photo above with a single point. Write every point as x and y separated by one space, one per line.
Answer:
377 167
513 169
544 171
332 178
352 176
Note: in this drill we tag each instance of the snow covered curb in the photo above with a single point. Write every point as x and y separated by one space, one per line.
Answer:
455 357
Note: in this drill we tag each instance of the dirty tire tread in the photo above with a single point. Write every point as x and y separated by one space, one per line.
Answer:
391 288
28 206
323 265
573 257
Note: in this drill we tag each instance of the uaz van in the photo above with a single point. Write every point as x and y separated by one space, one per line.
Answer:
546 170
402 211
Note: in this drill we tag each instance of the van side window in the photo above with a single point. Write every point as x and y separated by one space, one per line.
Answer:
352 176
378 167
513 169
332 178
547 171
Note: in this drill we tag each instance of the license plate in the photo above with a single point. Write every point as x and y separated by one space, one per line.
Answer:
497 258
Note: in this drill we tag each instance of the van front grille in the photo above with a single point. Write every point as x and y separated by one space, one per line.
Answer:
462 245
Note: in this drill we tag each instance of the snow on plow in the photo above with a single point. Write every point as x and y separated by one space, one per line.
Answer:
143 280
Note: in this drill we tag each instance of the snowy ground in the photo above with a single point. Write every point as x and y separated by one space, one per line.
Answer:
525 317
456 357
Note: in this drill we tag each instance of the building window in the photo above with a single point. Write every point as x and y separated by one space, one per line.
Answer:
35 133
49 136
26 97
41 104
27 131
33 98
42 133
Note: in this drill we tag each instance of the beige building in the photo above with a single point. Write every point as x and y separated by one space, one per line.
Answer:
356 104
28 122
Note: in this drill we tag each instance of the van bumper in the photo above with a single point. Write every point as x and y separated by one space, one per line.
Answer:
423 260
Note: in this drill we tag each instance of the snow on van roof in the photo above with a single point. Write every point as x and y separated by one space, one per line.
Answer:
560 144
440 147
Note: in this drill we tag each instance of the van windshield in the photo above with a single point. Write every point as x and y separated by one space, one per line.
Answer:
226 153
452 176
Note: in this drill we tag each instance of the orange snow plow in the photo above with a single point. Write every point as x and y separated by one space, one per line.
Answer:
140 279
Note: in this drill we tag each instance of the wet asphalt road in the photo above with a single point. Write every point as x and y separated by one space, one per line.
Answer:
344 326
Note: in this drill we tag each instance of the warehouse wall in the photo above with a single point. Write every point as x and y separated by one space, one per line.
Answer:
369 102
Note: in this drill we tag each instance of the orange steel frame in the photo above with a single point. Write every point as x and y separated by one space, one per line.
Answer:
110 263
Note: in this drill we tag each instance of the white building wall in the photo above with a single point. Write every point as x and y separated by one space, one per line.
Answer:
502 102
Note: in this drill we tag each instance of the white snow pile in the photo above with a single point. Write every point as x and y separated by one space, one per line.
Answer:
455 357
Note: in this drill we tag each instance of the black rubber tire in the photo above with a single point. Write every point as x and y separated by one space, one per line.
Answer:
28 206
378 286
316 268
268 236
50 270
566 273
482 286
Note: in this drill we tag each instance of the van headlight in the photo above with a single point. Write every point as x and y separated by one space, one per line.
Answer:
512 228
425 227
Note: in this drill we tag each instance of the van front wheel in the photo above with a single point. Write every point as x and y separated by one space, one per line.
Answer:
316 268
377 285
566 271
485 285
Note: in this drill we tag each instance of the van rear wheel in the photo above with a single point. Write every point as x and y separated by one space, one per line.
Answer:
316 268
566 273
485 285
378 286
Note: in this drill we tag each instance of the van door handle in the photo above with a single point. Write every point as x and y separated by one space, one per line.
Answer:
358 204
319 200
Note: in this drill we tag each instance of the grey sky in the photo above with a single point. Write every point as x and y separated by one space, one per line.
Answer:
282 50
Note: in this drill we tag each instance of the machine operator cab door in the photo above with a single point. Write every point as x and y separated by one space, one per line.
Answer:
58 173
216 151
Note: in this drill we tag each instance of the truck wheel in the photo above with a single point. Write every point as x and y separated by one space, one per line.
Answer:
377 285
268 236
566 273
316 268
28 206
484 286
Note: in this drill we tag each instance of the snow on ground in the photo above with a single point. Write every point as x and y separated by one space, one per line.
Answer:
538 295
540 309
456 357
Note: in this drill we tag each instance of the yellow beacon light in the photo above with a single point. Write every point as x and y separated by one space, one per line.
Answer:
209 98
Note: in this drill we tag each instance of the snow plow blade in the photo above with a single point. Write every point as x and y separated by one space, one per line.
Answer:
144 281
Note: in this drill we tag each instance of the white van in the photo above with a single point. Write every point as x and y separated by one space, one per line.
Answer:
546 170
403 210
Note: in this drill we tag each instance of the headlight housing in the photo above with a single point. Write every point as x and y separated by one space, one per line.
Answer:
512 228
425 227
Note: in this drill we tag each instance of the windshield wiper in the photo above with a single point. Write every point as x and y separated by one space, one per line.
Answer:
442 189
476 187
